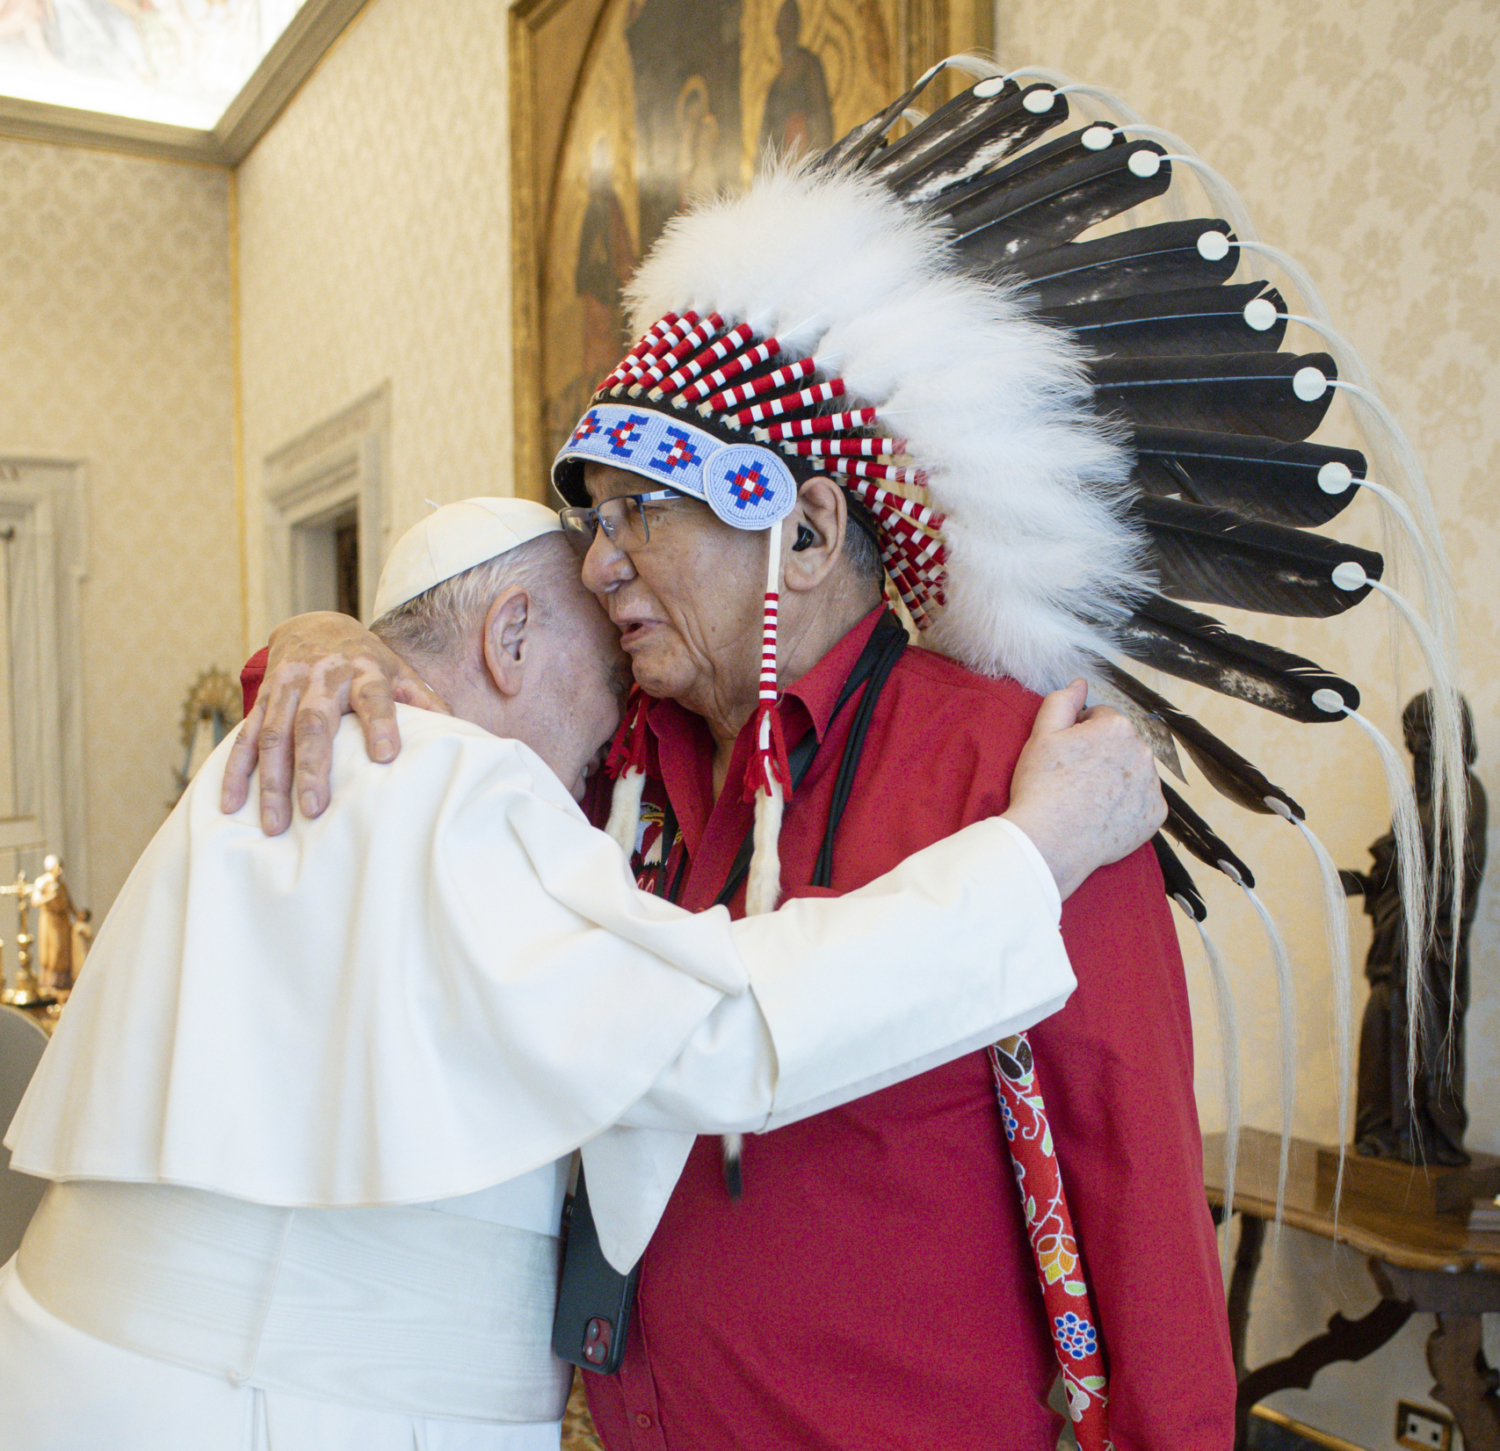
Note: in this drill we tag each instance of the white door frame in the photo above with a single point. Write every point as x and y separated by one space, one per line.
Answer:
315 478
45 501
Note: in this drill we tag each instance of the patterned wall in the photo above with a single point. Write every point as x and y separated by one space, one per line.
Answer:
115 349
375 247
1363 136
374 241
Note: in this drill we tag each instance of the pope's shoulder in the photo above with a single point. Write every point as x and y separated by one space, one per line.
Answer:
434 742
442 750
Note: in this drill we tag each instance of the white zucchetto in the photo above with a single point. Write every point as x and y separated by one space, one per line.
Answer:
454 538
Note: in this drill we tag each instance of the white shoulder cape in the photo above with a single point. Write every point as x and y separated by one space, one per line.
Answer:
450 979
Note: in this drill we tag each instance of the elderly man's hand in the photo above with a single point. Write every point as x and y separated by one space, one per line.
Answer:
1085 789
321 667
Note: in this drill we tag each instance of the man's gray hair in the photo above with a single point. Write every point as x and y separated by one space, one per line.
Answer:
441 621
860 549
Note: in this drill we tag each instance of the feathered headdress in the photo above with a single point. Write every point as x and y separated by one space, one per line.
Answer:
1067 431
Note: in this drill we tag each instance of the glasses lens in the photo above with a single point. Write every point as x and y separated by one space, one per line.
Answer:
624 521
580 526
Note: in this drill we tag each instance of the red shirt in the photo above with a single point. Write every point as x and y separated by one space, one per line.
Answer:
875 1287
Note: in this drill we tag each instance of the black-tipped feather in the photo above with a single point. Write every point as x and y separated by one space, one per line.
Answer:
1264 478
1197 836
1217 557
1168 324
983 199
1196 647
1162 258
962 138
1232 392
854 148
1179 884
1055 206
1228 772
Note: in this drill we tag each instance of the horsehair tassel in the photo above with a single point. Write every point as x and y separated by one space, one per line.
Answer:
1286 1001
1336 928
1229 1054
1049 1226
1406 827
768 780
734 1174
626 762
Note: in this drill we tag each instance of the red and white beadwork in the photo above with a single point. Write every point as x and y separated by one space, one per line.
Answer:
720 370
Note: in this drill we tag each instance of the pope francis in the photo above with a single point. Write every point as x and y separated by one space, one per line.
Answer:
310 1111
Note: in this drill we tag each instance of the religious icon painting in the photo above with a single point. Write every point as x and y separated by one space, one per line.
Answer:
624 111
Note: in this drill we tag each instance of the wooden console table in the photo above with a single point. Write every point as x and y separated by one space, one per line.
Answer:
1421 1263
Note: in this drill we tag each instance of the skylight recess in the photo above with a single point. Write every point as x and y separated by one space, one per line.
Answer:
180 62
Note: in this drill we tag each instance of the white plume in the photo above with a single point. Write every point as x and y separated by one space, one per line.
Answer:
996 405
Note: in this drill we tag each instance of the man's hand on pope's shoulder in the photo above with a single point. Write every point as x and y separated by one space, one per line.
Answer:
321 666
1085 789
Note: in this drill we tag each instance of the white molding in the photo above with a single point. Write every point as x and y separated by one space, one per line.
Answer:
46 500
317 476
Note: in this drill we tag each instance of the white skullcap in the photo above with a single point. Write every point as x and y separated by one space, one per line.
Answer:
455 538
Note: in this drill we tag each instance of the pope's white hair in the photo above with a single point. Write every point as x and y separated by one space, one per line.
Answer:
996 405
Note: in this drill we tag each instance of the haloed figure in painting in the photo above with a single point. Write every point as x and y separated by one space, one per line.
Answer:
797 116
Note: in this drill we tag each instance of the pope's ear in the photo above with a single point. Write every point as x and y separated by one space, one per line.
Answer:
506 629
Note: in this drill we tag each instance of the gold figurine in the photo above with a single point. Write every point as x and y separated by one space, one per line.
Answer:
55 917
25 992
63 937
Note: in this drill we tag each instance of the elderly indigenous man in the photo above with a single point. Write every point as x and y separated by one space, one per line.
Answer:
742 506
309 1114
873 1286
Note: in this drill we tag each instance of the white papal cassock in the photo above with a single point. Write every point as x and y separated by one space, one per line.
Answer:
309 1111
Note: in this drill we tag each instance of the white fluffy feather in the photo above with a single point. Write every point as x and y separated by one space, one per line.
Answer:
996 405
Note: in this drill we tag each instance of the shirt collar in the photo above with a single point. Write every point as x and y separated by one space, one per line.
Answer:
816 692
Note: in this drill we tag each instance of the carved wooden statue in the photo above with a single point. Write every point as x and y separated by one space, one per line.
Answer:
1387 1124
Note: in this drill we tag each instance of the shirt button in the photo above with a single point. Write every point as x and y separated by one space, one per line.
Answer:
643 1420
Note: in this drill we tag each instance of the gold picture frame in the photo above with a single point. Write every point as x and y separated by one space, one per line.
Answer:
622 109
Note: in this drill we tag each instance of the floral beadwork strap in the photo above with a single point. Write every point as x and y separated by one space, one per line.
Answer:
1070 1308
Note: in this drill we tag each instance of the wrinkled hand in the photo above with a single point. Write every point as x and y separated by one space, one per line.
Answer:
321 667
1085 789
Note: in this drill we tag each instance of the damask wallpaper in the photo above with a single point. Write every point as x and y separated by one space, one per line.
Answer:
374 238
115 350
375 247
1362 135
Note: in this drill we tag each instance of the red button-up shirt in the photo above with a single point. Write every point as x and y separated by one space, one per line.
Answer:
875 1287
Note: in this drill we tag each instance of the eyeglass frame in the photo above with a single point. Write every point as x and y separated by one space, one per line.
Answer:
575 517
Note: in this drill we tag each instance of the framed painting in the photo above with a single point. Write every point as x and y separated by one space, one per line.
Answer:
622 111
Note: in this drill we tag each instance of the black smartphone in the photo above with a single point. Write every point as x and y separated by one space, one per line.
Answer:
594 1299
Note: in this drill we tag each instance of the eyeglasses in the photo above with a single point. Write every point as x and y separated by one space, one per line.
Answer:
625 520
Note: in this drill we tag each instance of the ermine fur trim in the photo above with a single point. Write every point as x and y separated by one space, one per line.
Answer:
623 825
763 889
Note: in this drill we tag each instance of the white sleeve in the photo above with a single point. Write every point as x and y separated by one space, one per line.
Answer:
956 947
